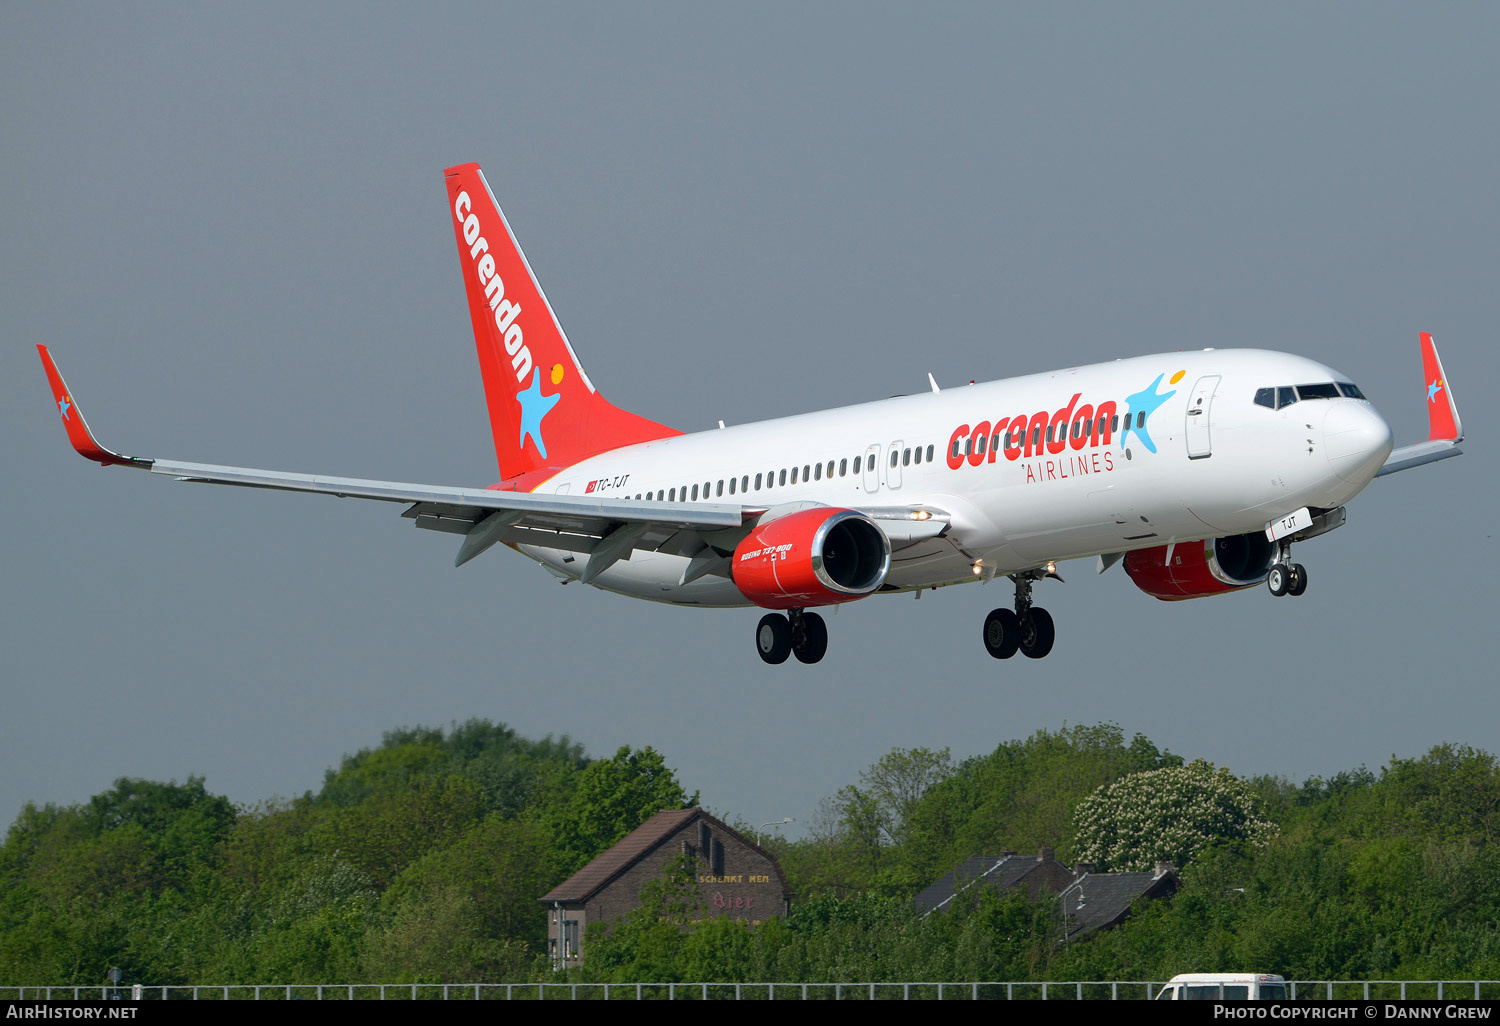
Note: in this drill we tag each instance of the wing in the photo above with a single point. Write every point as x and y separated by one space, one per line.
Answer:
607 531
1445 429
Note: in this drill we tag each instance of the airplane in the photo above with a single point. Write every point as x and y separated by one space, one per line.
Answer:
1196 470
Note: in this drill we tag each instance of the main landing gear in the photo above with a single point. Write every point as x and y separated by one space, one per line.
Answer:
798 633
1286 578
1028 629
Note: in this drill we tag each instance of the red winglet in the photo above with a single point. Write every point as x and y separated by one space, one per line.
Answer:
78 430
1442 411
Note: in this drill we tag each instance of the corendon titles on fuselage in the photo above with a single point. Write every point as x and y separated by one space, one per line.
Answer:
1033 437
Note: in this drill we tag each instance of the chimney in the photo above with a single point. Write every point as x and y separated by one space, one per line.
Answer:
1083 869
1045 855
1162 869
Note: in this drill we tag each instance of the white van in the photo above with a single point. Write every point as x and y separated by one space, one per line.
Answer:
1224 987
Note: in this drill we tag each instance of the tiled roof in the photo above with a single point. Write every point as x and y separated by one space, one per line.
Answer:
1098 900
1003 872
636 845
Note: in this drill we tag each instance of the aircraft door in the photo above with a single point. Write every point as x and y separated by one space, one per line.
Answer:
893 466
872 468
1198 443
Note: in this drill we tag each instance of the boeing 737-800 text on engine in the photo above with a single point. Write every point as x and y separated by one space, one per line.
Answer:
1199 470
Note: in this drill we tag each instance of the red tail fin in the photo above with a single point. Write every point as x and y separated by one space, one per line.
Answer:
1442 411
544 411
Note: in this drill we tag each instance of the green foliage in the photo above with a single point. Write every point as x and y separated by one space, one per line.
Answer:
1171 814
421 860
610 798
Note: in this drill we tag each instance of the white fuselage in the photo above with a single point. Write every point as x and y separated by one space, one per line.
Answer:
1229 467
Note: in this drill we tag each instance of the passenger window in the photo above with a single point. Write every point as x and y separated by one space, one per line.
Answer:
830 470
745 483
1140 420
895 457
705 488
1114 424
980 448
844 466
1266 397
818 473
1351 390
806 470
720 491
672 495
1285 396
1036 436
771 479
757 482
905 458
695 493
794 475
731 485
782 480
955 448
660 495
929 454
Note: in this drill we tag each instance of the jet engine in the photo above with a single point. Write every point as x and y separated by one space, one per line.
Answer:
811 557
1196 569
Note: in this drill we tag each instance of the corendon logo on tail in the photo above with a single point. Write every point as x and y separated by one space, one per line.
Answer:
1074 441
534 405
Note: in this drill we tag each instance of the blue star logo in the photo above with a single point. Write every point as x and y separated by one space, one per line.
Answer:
1433 389
1146 402
62 407
535 406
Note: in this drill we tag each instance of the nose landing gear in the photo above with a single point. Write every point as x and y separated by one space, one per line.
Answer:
798 633
1028 630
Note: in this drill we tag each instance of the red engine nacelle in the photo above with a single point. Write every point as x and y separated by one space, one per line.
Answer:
813 557
1196 569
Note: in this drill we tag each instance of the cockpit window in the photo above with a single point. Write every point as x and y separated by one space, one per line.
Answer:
1351 390
1324 390
1266 397
1285 396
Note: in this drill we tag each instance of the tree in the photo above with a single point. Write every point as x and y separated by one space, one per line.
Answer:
1171 814
610 798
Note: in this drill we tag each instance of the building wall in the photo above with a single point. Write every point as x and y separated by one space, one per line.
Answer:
733 879
746 886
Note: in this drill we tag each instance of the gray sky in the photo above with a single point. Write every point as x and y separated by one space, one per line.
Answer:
229 224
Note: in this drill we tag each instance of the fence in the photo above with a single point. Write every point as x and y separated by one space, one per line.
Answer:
1117 990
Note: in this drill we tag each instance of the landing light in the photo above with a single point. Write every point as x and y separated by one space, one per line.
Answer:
921 514
978 568
1052 568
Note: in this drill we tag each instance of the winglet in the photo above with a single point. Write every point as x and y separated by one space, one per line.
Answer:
1442 410
78 430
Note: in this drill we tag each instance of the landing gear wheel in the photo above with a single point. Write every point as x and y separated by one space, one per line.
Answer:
1299 580
1279 580
812 643
773 638
1002 633
1037 633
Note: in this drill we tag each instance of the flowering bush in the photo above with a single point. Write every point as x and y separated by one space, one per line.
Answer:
1169 814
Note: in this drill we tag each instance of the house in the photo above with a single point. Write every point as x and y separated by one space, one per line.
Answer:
1087 900
735 878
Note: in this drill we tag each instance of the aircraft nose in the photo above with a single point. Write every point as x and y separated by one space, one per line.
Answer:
1356 439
